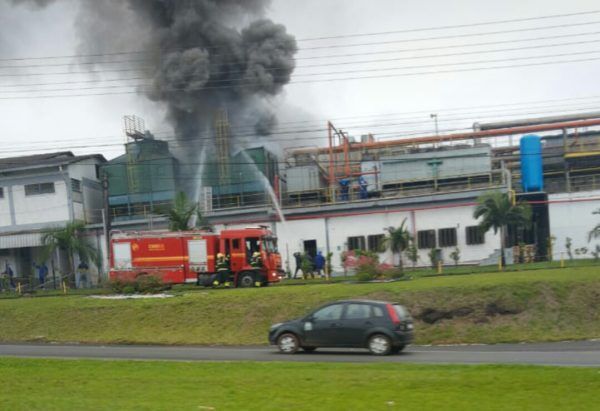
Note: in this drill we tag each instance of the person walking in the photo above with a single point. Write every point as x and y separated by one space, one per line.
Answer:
298 259
42 272
11 276
81 276
320 264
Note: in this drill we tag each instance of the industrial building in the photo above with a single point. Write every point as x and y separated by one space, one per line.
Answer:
45 191
344 196
143 179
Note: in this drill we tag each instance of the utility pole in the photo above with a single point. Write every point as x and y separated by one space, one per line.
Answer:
106 223
434 116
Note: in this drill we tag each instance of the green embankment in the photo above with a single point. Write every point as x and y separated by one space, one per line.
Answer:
541 305
29 384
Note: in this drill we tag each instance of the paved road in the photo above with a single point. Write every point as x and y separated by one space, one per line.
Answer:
581 353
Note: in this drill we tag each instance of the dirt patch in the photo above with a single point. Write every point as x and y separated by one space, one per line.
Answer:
499 308
433 315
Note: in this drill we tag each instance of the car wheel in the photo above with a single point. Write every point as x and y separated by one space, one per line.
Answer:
398 348
309 349
380 344
288 343
246 280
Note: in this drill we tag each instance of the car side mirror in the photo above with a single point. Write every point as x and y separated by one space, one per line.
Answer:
310 318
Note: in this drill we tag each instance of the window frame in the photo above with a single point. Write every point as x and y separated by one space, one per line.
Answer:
361 242
37 189
431 237
473 234
378 243
448 233
76 185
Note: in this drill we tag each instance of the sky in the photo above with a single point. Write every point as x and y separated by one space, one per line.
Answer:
396 102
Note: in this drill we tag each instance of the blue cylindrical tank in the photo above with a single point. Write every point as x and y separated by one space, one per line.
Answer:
532 172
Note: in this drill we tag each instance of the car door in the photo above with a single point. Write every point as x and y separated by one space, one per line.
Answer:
355 324
321 328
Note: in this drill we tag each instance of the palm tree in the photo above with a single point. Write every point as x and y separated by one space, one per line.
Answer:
595 233
69 239
398 240
184 214
497 211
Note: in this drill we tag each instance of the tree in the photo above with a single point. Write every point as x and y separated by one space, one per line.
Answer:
497 211
412 252
568 245
69 239
455 256
595 233
184 215
433 257
398 240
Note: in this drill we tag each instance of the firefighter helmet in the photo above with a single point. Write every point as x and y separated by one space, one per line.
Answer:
220 255
256 254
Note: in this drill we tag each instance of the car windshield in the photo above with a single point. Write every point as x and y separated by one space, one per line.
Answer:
401 311
270 244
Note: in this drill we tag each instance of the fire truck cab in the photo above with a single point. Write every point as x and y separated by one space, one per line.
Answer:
190 257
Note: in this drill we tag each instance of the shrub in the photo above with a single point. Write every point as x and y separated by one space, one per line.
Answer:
149 284
117 285
128 289
145 284
391 273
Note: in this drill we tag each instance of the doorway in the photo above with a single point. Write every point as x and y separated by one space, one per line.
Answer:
310 248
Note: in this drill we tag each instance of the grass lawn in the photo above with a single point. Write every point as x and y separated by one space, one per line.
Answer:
34 384
540 305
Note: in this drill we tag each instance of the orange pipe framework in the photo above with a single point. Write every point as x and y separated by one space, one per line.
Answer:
331 150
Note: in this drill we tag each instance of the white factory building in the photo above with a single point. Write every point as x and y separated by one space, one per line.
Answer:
39 192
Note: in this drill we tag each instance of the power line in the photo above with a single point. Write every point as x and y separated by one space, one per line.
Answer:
318 65
362 54
455 26
379 76
175 142
118 53
295 132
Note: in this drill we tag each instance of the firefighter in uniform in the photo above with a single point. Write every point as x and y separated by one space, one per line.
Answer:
257 263
256 260
222 270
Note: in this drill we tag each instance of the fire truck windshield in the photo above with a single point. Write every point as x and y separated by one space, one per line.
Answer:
270 244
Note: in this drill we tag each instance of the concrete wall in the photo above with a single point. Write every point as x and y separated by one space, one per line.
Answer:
43 208
5 215
293 233
573 218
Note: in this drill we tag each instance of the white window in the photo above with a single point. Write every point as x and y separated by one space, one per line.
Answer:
197 252
76 185
122 255
38 189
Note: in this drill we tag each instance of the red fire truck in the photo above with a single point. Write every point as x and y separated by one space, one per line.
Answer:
190 257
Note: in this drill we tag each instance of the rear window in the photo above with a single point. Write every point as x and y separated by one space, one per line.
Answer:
401 311
377 311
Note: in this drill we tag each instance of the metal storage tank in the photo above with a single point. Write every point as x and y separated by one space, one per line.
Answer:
532 172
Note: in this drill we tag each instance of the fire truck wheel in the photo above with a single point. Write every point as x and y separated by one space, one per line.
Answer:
246 280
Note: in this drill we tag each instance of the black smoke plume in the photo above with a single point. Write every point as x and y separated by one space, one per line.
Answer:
199 56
